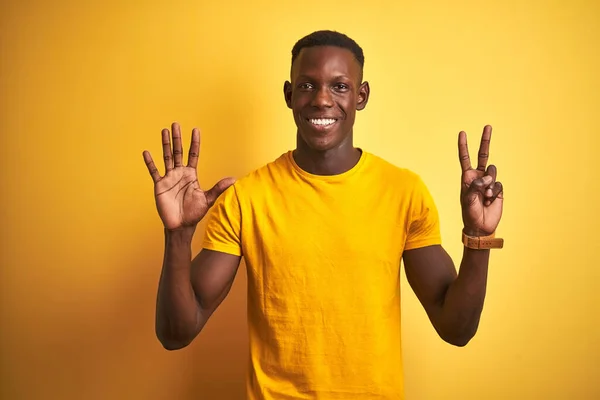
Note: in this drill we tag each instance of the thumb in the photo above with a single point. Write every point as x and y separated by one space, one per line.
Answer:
477 189
218 189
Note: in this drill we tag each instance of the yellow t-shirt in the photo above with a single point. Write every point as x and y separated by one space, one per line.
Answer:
323 260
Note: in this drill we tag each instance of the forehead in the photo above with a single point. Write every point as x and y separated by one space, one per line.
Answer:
323 61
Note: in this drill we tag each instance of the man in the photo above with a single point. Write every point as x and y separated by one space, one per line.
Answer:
323 230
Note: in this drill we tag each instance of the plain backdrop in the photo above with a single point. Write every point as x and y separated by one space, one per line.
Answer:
86 86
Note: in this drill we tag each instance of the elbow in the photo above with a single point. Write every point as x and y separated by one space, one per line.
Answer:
172 342
175 335
169 343
172 346
458 339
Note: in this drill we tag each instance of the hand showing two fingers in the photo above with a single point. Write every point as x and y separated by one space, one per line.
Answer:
481 195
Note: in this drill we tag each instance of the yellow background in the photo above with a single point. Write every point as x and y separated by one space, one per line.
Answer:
86 86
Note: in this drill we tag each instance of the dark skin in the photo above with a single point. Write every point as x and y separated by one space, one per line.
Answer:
454 302
324 93
326 82
189 291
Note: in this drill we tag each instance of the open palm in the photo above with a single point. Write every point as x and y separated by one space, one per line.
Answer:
179 199
481 195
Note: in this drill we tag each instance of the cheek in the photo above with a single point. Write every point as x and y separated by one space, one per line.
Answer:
349 112
348 105
297 106
297 114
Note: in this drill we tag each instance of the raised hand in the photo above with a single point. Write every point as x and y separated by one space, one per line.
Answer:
481 196
179 199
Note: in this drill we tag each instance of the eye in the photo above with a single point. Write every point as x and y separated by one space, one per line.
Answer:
341 87
305 86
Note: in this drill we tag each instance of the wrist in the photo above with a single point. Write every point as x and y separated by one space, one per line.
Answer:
480 240
475 232
182 234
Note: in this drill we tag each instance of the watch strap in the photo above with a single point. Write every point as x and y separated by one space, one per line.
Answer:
482 242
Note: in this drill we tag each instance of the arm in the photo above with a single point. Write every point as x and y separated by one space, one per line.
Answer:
190 291
453 302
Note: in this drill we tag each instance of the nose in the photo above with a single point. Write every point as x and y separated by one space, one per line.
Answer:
322 98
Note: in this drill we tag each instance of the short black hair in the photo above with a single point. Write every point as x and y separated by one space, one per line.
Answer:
329 38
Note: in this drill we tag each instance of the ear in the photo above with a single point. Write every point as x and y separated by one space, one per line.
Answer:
363 96
287 93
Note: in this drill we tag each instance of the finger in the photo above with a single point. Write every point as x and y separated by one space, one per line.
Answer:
484 148
167 154
218 189
177 146
497 193
475 194
194 149
151 167
491 171
480 185
463 152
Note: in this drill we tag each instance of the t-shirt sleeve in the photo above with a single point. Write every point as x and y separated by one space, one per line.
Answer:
424 224
223 227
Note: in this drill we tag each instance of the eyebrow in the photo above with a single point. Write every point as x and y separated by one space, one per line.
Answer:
337 77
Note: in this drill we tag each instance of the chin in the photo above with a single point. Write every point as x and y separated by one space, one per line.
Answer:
321 142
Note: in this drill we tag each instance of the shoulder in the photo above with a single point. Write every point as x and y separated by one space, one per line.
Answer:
394 174
402 182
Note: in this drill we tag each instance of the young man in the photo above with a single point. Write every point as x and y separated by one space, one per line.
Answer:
323 230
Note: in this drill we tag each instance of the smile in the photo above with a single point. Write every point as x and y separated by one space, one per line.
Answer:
322 122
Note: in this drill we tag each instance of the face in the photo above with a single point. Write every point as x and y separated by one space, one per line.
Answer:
324 94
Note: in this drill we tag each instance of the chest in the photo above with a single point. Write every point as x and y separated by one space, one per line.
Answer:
351 236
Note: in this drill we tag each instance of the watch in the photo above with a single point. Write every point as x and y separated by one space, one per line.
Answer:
482 242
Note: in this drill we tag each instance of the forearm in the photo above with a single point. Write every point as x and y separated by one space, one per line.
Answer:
463 301
178 314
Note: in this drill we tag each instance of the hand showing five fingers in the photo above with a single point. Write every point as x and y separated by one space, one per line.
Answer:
179 199
481 196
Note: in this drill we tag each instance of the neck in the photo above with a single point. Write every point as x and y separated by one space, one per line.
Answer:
328 162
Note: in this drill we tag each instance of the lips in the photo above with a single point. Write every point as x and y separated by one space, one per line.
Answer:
321 123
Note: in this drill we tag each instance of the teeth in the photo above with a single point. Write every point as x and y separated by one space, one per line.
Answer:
322 121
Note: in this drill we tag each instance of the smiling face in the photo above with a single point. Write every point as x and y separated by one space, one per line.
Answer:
325 91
